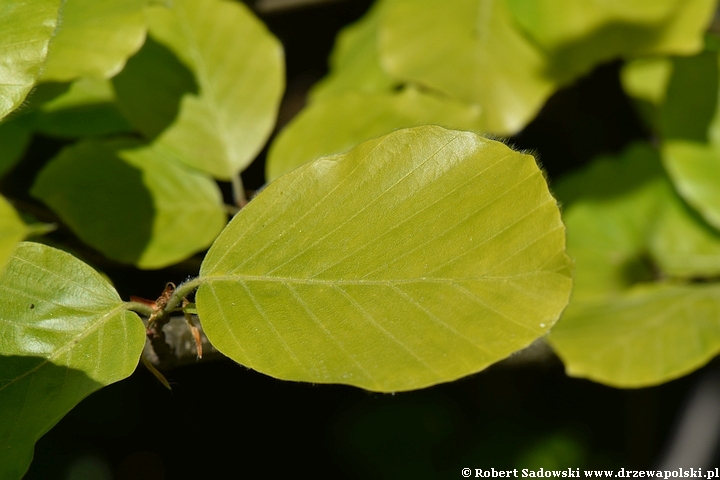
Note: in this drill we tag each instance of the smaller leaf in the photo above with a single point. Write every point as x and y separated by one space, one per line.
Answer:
134 203
695 170
64 333
12 231
95 38
238 65
354 62
87 108
339 123
15 135
27 27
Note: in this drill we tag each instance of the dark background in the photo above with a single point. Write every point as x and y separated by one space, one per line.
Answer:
223 420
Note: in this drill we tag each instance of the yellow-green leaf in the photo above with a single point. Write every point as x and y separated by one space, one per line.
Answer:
26 27
12 231
64 333
95 38
414 259
339 122
238 66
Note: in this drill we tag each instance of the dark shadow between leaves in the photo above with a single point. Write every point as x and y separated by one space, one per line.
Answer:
34 395
151 86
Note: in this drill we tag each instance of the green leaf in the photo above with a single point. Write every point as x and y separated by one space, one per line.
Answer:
87 108
15 135
12 231
340 122
26 27
354 62
64 333
695 170
151 86
650 334
471 50
414 259
133 203
627 230
579 35
95 38
239 68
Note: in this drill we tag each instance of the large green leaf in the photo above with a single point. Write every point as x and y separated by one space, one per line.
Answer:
12 231
627 231
87 108
580 34
414 259
64 333
239 68
95 38
354 63
342 121
134 203
26 27
470 49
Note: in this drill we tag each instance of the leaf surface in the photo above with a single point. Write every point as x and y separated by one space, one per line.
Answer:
239 68
27 27
12 231
580 35
414 259
354 62
95 38
628 230
471 50
340 122
134 203
64 333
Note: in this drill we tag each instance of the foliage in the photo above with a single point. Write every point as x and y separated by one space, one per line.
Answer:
414 255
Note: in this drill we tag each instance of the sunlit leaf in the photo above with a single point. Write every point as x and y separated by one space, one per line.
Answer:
95 38
64 333
239 68
469 49
340 122
414 259
87 108
354 63
12 231
134 203
26 27
581 34
625 326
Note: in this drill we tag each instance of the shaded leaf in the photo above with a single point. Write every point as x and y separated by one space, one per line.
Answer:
470 50
354 62
12 231
87 108
64 333
627 325
26 27
648 335
414 259
339 123
151 86
15 135
133 203
239 68
95 38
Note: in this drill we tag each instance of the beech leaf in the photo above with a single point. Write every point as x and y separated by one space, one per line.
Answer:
414 259
64 333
